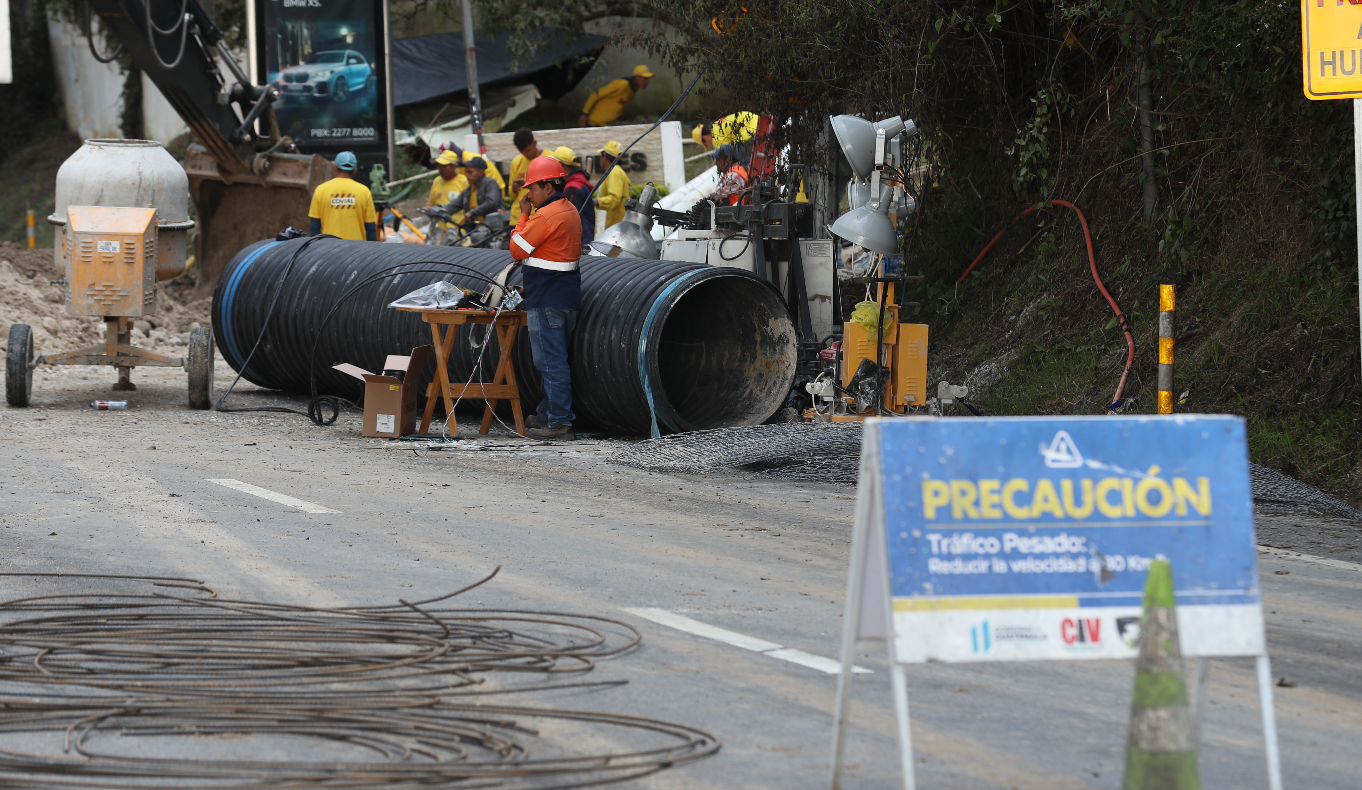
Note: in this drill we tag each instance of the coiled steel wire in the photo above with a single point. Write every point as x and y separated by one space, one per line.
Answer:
390 696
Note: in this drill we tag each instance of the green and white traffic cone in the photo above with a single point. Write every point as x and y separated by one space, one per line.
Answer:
1161 752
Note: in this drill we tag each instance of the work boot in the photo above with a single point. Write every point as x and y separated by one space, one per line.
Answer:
532 421
561 433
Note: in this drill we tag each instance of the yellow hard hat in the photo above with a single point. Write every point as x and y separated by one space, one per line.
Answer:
695 134
447 158
612 148
642 71
564 154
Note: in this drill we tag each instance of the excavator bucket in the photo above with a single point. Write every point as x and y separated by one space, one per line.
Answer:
236 209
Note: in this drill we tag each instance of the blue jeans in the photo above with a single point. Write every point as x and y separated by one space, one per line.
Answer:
550 337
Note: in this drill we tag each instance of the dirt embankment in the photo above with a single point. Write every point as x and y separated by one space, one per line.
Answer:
30 293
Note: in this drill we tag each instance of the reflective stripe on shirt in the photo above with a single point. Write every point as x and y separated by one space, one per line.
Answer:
521 243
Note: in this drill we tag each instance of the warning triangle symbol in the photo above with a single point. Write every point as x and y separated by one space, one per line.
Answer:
1062 453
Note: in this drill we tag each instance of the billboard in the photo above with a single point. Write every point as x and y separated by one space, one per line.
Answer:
328 60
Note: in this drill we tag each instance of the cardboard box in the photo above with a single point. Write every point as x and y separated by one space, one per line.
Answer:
390 401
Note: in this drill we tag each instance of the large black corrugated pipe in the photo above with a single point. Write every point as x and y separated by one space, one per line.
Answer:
715 345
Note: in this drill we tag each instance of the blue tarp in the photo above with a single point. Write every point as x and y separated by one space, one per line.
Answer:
427 68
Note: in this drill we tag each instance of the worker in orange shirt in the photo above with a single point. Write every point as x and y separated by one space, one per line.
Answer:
549 244
605 106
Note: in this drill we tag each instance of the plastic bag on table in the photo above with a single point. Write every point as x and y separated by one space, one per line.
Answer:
436 296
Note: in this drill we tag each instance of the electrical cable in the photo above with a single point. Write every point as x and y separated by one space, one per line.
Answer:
181 25
90 39
1097 278
318 402
740 252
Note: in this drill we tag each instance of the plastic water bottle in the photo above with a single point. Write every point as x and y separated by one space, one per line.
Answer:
109 405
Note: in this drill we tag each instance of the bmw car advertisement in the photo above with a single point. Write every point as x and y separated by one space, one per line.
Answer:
325 58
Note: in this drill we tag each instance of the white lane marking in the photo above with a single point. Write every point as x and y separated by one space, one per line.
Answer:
690 626
682 623
820 663
1325 561
273 496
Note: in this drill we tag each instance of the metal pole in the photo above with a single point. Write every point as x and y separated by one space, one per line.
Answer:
1274 758
470 60
1167 305
1357 178
388 86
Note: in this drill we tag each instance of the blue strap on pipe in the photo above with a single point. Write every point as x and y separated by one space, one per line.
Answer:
643 347
229 297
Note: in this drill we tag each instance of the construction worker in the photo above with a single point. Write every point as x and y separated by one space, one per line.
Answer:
449 183
529 150
738 127
343 207
749 133
549 244
490 169
732 176
578 190
614 190
482 196
605 106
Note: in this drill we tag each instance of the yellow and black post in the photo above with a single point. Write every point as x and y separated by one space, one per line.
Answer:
32 231
1167 306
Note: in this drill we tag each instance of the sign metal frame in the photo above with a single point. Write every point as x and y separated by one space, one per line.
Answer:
869 617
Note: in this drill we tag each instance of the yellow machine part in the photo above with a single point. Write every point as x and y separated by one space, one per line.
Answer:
905 354
110 260
858 343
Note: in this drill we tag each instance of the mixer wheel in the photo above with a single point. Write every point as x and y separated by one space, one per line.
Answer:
199 365
18 373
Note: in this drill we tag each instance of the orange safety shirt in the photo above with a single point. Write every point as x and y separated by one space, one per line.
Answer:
550 238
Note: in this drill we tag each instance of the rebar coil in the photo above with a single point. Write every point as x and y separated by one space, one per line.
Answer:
715 345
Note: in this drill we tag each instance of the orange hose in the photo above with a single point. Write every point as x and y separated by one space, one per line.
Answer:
1092 263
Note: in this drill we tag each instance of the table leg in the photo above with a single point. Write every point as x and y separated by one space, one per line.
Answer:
432 392
444 346
516 409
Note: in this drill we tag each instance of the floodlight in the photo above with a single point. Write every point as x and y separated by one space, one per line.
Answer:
857 138
869 227
857 195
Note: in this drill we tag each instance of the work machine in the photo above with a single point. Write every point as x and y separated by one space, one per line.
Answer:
848 369
122 206
245 179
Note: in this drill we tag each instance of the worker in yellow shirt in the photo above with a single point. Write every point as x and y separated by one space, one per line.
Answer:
529 149
614 189
604 107
738 127
449 183
343 207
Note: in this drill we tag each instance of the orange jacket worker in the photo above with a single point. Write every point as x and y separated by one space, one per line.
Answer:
549 244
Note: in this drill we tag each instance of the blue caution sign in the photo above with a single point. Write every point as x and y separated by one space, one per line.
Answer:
1029 538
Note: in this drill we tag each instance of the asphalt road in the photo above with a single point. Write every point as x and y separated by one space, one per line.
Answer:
130 492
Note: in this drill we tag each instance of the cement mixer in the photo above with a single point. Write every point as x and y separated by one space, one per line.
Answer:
122 222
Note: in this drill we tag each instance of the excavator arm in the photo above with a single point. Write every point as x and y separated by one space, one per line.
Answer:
246 183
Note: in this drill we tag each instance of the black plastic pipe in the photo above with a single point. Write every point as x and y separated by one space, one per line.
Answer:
715 345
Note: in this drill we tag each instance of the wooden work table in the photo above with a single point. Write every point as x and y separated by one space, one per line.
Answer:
503 384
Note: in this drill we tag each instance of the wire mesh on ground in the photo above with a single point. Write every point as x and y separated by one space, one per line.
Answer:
831 452
101 689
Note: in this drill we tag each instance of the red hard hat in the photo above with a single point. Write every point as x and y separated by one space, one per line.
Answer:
544 168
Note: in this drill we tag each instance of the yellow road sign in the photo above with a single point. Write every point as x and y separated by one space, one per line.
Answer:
1331 48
